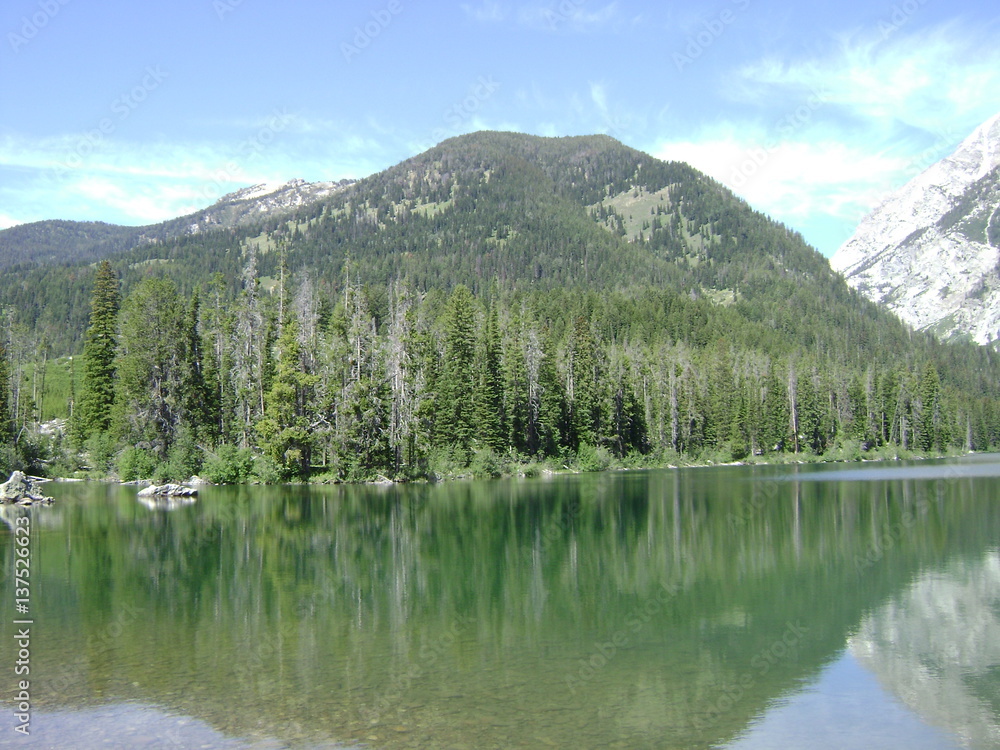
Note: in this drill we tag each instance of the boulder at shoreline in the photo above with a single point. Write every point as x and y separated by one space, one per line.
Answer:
21 489
168 490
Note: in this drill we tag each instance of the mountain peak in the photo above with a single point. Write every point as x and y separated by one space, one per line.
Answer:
257 191
291 193
983 146
259 201
927 251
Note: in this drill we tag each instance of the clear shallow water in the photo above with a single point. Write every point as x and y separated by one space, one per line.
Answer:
728 607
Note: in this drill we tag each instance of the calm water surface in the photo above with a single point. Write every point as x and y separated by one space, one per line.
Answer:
732 607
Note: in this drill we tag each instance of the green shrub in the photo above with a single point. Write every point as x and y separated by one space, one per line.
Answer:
162 474
9 460
185 457
100 451
593 458
738 450
136 463
444 462
229 465
268 471
487 464
847 450
532 469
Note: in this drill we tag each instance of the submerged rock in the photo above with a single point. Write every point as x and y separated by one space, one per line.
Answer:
23 490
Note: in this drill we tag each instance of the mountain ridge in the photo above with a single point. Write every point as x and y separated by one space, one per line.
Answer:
930 251
53 241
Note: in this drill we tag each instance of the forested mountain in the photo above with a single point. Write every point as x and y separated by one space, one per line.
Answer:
500 294
48 242
504 210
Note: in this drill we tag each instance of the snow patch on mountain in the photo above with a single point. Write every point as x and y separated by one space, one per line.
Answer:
265 199
286 194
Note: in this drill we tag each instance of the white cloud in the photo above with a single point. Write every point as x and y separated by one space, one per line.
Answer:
6 222
793 181
561 15
109 178
611 120
599 96
567 15
928 79
833 134
486 12
138 202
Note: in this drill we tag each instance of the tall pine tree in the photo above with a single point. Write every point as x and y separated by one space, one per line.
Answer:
99 350
457 385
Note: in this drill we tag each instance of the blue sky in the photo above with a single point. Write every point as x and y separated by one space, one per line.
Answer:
134 112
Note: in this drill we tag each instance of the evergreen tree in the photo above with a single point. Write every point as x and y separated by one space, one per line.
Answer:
99 350
6 418
582 384
515 383
929 422
809 411
400 371
489 418
457 386
545 397
249 354
199 399
363 416
150 399
284 429
776 412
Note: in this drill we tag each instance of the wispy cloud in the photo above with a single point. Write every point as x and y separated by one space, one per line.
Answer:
565 16
792 180
833 134
115 179
568 15
609 119
140 201
486 12
599 96
923 79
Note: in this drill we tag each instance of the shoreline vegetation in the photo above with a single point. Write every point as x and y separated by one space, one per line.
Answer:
496 467
533 469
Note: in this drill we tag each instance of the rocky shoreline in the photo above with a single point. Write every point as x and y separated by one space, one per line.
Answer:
22 489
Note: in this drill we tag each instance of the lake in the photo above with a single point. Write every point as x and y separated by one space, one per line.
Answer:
840 606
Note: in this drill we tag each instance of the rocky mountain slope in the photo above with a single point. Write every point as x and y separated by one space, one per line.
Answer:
251 204
930 252
60 241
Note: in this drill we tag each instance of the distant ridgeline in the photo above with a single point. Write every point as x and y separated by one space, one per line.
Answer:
498 295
